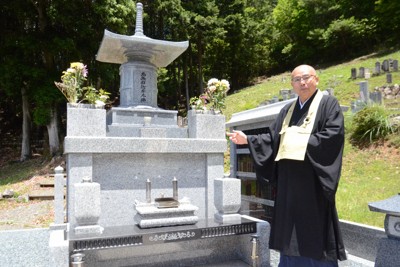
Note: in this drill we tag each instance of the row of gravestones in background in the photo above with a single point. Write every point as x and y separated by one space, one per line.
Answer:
386 66
383 92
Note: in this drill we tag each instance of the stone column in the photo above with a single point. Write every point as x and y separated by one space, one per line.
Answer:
59 195
138 83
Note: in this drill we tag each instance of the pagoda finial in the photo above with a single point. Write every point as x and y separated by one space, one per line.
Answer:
139 20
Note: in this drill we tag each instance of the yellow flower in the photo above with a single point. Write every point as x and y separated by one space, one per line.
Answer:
77 65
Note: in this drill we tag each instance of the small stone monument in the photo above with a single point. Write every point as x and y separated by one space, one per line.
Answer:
353 73
364 93
377 70
388 78
361 72
395 65
385 65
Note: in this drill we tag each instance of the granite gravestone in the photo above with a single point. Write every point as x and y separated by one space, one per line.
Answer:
136 142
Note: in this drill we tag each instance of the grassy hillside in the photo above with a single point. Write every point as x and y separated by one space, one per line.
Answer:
369 174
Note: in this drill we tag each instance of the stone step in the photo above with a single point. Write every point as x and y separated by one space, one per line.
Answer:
49 182
42 194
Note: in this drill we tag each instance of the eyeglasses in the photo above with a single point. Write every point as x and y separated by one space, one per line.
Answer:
305 78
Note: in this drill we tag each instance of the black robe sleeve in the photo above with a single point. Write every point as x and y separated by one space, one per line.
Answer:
325 146
262 153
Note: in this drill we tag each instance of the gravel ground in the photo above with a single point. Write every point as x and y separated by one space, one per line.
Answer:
33 214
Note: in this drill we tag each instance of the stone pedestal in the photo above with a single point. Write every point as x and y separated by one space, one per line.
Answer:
87 207
227 199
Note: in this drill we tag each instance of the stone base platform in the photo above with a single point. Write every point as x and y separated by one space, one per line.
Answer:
143 121
207 243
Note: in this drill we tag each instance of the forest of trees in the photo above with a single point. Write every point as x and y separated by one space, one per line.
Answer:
237 40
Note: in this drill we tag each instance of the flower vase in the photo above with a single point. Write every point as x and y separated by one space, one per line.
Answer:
206 125
86 120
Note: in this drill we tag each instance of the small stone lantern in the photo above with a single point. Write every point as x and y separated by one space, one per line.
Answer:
389 247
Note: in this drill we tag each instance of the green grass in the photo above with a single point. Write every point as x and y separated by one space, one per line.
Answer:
15 176
368 175
336 77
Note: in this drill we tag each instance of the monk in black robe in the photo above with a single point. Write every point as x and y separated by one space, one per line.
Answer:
305 166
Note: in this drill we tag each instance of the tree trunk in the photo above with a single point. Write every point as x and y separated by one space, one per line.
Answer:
200 60
26 127
52 130
48 61
186 79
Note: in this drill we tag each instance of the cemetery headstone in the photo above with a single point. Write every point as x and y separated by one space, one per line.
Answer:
377 70
388 78
364 94
376 97
353 73
385 65
367 74
395 65
361 72
114 218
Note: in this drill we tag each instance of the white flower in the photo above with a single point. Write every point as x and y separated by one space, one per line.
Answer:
225 83
212 88
212 81
99 102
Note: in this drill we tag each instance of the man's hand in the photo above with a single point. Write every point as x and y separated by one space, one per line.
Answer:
237 137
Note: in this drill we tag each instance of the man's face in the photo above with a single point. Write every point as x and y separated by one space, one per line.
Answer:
304 82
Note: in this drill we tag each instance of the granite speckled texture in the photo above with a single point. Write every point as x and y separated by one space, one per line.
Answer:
206 126
87 208
34 252
91 120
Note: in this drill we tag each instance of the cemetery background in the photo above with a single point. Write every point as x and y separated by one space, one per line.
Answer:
368 174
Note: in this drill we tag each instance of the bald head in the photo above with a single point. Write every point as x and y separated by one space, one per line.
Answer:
304 68
304 81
